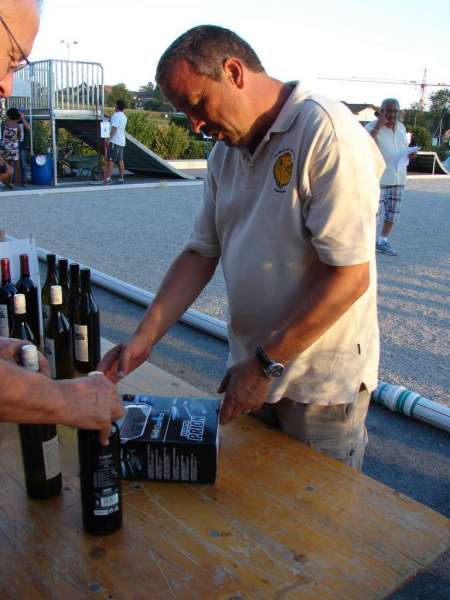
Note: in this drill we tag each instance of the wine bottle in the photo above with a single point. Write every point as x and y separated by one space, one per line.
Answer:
58 338
7 291
63 277
50 280
101 494
75 289
86 327
26 286
21 330
40 447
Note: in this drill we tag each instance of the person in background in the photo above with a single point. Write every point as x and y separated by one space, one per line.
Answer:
24 129
391 138
26 396
289 208
10 142
117 141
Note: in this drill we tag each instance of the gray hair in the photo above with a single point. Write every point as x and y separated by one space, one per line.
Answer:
387 101
206 48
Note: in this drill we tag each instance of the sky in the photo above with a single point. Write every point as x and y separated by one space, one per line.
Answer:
294 39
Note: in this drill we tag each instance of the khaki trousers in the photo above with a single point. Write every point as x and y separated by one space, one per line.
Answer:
337 430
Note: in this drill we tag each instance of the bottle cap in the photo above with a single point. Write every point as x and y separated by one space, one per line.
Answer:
30 357
56 294
20 307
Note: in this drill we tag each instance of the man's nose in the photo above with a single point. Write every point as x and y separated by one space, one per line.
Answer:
6 85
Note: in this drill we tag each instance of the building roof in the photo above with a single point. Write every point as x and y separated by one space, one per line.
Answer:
357 108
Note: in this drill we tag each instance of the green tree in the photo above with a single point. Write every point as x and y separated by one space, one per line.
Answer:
158 102
422 137
119 92
148 88
440 110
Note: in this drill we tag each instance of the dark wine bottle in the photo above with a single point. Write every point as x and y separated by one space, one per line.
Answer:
40 447
21 330
26 286
63 277
58 338
50 280
86 327
101 494
7 291
75 291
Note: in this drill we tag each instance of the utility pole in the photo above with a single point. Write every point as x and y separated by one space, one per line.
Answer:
68 46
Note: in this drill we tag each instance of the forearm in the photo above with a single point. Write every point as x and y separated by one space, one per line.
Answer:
335 290
374 132
183 283
28 397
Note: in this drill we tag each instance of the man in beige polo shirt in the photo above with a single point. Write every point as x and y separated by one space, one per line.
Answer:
289 207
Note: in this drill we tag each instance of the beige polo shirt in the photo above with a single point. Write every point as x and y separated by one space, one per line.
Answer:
392 143
309 193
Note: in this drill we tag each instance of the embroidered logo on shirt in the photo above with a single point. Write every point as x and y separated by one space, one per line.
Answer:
282 169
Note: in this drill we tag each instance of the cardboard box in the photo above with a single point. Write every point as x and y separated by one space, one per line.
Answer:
169 438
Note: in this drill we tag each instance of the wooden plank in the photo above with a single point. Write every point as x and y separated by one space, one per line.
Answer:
282 522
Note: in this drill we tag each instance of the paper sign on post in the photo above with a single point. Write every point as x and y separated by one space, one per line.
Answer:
105 129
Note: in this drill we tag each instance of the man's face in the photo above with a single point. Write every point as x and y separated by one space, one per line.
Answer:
22 18
215 108
390 112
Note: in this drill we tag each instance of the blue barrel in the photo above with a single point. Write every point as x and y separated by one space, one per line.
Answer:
41 169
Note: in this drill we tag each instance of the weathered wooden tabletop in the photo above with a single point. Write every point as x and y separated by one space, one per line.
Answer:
282 522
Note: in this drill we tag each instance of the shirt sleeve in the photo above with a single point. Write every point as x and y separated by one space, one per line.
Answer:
113 121
344 171
203 238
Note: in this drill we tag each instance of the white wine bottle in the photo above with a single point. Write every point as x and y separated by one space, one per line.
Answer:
58 338
40 447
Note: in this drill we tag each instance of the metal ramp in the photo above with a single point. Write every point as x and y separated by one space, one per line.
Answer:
137 157
427 162
70 94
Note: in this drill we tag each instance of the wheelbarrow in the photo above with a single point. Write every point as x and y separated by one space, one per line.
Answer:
82 166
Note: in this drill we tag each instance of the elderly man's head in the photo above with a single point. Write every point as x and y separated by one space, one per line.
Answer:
390 109
210 73
19 24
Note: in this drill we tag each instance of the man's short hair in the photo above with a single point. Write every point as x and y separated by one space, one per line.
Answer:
387 101
120 104
206 48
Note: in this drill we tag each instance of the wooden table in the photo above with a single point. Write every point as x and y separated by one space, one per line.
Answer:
283 522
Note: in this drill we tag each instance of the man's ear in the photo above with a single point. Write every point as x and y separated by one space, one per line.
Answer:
234 71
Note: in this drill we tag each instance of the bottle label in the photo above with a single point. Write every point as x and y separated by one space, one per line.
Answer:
4 324
49 351
80 333
45 314
52 459
106 490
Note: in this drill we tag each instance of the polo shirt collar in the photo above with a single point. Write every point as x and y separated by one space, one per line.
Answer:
289 111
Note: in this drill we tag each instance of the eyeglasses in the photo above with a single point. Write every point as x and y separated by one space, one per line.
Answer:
24 60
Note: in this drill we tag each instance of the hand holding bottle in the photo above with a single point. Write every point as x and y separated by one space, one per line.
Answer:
124 358
90 403
10 351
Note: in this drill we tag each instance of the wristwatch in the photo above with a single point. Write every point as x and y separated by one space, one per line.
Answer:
271 369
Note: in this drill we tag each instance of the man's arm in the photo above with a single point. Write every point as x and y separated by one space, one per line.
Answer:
184 281
112 133
334 291
381 121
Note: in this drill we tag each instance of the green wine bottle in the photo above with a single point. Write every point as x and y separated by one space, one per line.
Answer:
58 338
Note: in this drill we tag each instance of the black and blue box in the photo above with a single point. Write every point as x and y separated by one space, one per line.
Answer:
169 438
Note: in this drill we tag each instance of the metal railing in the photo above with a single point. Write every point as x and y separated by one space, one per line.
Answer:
63 85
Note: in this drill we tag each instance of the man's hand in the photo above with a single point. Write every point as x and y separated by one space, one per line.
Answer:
246 389
10 351
124 358
90 403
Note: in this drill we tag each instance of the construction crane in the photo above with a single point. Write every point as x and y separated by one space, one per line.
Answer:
422 84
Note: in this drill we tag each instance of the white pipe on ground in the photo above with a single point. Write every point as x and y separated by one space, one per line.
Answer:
395 397
398 399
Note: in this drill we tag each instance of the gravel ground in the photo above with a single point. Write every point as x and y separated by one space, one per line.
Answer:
134 234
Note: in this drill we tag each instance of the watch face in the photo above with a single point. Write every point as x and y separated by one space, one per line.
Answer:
275 370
